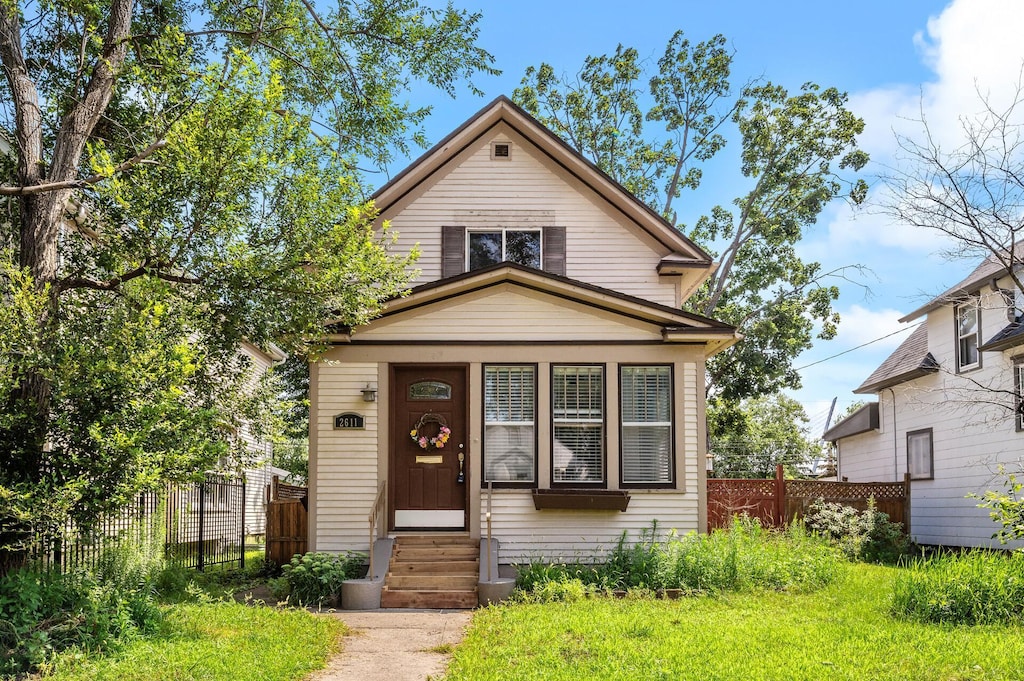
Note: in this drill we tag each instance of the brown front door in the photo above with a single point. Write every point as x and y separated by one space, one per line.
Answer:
427 491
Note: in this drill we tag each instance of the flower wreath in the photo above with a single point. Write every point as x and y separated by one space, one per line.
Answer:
439 440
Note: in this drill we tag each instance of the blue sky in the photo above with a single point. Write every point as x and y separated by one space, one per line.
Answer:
894 57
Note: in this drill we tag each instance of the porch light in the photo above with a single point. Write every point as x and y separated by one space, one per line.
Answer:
369 393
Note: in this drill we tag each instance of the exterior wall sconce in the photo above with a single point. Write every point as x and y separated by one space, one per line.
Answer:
369 393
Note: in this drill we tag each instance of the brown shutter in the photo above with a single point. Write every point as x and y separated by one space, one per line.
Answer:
554 250
453 251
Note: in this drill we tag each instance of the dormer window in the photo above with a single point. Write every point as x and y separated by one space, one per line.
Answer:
492 246
968 331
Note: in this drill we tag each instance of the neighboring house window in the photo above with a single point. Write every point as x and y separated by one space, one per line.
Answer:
510 442
920 454
646 417
489 247
1018 394
577 398
968 333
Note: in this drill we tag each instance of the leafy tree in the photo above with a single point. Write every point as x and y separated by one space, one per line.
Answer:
181 176
748 440
653 139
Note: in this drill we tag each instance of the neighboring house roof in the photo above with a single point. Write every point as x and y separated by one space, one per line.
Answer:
684 256
860 421
910 360
991 268
677 325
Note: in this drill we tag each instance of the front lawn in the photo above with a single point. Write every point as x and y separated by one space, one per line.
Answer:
843 631
214 641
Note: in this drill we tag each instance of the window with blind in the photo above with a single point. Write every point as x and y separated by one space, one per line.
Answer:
577 401
646 425
510 442
920 455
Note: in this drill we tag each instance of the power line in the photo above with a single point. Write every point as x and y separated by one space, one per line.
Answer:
862 345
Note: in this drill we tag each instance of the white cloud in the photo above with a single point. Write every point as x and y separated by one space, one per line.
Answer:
859 325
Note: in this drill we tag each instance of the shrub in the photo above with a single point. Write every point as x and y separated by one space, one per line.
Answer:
43 613
744 558
867 536
316 578
977 587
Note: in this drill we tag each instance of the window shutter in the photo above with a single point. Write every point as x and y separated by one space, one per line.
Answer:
453 251
554 250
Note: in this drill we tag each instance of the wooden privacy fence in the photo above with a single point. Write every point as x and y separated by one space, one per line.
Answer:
777 502
287 521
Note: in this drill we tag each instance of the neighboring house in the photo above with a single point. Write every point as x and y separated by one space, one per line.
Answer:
542 346
948 409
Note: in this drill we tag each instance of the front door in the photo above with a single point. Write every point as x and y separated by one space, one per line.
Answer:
428 435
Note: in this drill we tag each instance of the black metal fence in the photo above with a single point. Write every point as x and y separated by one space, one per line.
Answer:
196 526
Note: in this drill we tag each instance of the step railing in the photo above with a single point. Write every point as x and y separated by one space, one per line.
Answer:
375 513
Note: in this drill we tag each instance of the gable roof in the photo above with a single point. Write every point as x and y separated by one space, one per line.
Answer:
677 326
910 360
991 268
502 110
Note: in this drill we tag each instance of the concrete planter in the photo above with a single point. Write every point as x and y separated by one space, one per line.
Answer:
361 594
496 590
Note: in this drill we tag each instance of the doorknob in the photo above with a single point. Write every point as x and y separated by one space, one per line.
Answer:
462 473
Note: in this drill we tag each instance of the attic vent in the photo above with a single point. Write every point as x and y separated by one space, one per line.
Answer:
500 150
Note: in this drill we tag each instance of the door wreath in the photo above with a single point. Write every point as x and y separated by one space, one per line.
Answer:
436 441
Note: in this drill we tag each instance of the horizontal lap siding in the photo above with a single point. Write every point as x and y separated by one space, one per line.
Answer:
526 534
346 466
602 246
503 314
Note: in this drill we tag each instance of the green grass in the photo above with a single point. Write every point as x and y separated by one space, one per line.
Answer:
213 641
841 632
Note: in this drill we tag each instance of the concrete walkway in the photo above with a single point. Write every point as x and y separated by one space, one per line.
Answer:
395 645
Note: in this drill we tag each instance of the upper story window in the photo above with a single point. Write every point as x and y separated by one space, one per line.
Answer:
968 334
489 247
1018 394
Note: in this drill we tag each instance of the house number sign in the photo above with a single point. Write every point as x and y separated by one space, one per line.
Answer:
349 421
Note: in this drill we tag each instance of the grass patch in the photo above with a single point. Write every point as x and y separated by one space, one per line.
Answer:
842 631
214 641
975 587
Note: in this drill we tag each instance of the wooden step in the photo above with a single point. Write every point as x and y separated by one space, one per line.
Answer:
441 567
432 581
430 553
428 598
435 540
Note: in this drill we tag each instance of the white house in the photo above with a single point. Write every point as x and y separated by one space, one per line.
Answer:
542 350
948 409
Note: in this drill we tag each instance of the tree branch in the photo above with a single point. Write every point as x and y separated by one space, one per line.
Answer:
86 181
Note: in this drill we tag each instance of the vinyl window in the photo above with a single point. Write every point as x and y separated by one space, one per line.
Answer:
510 442
646 425
968 334
577 399
920 455
492 246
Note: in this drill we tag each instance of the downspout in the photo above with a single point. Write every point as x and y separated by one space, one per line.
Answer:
895 454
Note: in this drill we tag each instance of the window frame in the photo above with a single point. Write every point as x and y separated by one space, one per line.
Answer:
572 484
504 244
671 483
931 453
972 302
1018 397
522 484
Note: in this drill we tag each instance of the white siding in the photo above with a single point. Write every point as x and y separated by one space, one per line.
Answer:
526 534
602 246
507 312
346 460
970 435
